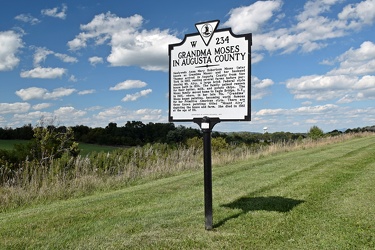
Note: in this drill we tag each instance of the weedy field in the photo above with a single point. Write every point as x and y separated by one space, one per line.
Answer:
85 148
309 198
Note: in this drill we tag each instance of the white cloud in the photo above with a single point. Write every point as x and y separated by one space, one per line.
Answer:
130 46
313 27
17 107
149 114
72 78
319 109
31 93
67 116
103 26
268 112
306 103
320 82
260 87
10 44
300 119
365 83
44 73
41 54
27 18
313 8
347 83
121 115
129 84
86 92
59 92
41 93
359 61
66 58
251 18
66 113
41 106
32 117
320 87
55 12
359 14
308 110
256 57
136 96
95 60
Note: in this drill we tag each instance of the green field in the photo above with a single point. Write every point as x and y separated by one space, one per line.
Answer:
85 147
316 198
8 144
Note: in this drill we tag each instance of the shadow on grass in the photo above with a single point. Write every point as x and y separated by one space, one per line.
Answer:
271 203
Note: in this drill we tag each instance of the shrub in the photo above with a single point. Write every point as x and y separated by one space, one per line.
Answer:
315 133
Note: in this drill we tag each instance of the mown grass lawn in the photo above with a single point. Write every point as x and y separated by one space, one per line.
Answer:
319 198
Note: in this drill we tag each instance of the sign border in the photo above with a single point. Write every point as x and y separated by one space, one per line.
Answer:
248 37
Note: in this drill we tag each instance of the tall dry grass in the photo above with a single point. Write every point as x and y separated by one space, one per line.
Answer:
72 177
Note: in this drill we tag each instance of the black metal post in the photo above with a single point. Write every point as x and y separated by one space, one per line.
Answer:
206 125
207 178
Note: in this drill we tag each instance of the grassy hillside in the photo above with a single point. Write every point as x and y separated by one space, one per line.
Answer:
316 198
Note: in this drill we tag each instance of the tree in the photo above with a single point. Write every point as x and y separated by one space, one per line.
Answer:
315 133
50 143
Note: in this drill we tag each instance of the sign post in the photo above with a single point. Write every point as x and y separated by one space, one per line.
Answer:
206 125
209 82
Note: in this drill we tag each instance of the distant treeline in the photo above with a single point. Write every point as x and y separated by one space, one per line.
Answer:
131 134
137 133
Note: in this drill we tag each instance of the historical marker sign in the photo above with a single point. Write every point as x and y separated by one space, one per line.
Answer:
209 82
209 75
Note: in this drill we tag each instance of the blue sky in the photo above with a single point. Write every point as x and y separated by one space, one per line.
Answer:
93 62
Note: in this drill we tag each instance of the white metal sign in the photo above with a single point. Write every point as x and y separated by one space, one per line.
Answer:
209 75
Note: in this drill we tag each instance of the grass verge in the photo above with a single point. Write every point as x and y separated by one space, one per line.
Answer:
314 198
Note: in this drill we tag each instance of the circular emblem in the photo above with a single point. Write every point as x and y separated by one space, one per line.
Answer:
206 30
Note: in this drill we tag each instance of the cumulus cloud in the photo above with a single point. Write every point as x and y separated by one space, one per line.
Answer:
302 116
44 94
41 54
27 18
320 87
136 96
149 114
313 26
129 84
66 113
95 60
41 106
56 12
359 14
260 87
68 116
31 117
359 61
250 18
44 73
130 45
103 27
350 81
66 58
10 44
17 107
121 115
